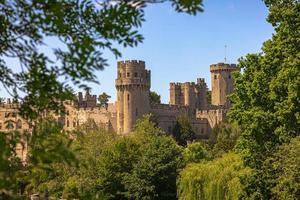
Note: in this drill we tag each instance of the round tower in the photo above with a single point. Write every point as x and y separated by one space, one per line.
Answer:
221 82
133 88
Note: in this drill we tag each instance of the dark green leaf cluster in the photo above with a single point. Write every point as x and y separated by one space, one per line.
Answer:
183 131
103 99
154 98
223 138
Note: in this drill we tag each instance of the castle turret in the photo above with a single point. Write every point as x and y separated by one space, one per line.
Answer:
133 88
222 83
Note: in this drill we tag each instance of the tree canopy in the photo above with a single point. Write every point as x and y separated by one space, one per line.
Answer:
218 179
183 131
265 102
154 98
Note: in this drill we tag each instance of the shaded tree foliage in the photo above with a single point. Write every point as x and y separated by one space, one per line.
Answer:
224 138
183 132
286 168
154 98
103 99
10 165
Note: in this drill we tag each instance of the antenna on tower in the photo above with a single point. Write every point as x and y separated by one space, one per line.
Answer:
225 58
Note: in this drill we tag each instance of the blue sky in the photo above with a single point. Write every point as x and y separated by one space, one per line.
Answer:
179 47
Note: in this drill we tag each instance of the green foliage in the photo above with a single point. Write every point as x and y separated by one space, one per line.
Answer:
266 96
48 145
224 138
218 179
286 165
195 152
154 98
183 132
208 96
9 165
154 175
146 126
103 99
139 166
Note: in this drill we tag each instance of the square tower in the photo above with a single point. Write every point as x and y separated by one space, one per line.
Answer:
221 82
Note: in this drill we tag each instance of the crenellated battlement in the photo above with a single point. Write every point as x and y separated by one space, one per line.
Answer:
223 67
217 111
170 107
131 63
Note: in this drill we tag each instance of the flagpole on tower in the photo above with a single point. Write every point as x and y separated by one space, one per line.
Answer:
225 58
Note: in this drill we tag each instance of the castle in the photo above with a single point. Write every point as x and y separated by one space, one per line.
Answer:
133 84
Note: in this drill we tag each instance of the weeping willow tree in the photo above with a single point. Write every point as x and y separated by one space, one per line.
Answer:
214 180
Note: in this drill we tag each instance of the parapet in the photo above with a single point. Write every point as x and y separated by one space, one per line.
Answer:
223 67
133 72
131 63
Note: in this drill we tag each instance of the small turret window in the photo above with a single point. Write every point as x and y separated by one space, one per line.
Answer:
128 97
215 76
229 76
128 74
135 74
136 112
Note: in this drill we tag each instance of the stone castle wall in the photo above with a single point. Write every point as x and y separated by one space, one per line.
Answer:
133 87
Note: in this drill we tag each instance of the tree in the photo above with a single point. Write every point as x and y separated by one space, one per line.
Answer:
76 180
83 28
265 102
208 96
286 168
183 132
217 179
47 145
10 165
154 98
195 153
146 126
141 166
103 99
224 138
153 176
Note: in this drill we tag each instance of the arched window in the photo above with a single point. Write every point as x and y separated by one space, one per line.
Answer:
19 124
